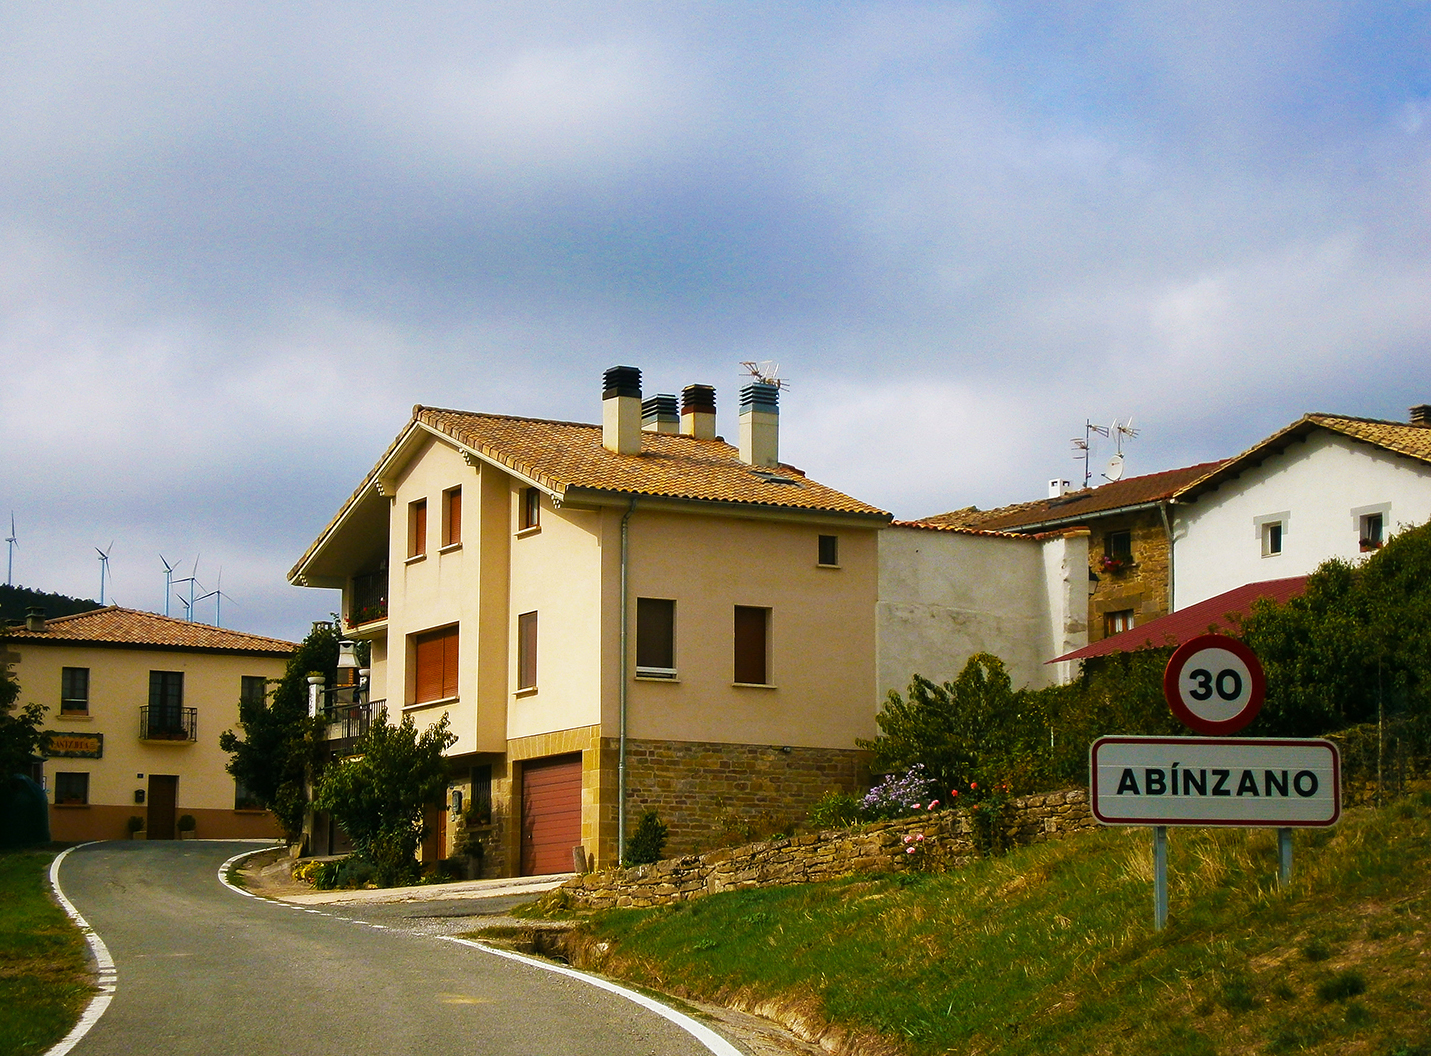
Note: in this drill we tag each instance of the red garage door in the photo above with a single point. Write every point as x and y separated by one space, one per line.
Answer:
551 813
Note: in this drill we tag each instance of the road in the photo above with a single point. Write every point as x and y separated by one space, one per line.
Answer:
206 971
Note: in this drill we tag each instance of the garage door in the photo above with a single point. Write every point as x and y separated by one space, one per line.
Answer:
551 813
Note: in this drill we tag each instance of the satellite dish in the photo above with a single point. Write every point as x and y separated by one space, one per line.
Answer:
1115 468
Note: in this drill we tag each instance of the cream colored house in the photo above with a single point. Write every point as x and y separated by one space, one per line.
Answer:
635 606
136 705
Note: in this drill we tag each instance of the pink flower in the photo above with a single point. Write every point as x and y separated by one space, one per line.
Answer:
920 837
909 850
932 804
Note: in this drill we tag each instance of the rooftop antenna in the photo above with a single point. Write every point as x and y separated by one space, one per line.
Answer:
1083 447
168 581
218 594
12 542
766 371
1118 432
103 568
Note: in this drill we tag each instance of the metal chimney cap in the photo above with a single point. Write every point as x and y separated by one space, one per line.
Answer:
621 381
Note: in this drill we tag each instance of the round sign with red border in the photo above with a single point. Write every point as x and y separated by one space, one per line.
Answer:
1214 684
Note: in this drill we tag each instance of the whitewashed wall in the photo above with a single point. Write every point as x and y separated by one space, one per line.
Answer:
946 595
1322 486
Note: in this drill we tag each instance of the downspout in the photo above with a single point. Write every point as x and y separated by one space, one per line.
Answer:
621 750
1168 530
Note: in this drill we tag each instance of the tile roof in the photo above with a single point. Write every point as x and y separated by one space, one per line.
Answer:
1402 438
566 455
1076 505
1185 624
114 625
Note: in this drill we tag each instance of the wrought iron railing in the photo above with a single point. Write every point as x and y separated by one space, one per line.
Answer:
368 600
168 724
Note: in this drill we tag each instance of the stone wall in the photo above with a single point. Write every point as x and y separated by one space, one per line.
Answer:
947 841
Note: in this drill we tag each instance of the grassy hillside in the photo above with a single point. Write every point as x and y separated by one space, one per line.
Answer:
1051 949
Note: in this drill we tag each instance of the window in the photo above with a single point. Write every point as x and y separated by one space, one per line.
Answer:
166 701
1272 539
452 517
655 638
530 514
72 790
527 651
417 528
1117 622
479 811
253 691
434 665
829 550
752 645
1372 528
1118 546
74 691
243 798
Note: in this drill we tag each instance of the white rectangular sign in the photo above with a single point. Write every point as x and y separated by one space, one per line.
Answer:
1214 781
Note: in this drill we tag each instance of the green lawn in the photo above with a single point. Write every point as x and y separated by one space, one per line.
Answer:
1051 949
45 979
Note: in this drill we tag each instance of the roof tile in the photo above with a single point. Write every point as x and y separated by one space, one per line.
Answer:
114 625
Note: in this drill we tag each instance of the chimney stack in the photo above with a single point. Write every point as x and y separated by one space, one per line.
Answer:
660 414
1421 414
760 425
1057 488
621 411
35 619
698 412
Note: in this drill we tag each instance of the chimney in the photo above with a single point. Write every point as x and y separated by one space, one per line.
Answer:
35 619
698 412
1421 414
660 414
1057 488
621 411
760 425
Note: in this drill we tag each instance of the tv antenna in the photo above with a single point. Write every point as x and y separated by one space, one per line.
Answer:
1083 447
104 568
1118 432
11 542
766 371
218 594
168 580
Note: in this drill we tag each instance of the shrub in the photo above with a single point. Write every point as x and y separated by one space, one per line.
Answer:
187 823
835 810
645 843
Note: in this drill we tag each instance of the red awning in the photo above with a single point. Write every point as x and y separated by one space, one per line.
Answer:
1178 627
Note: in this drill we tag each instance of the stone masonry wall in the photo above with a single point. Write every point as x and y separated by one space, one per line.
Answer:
882 847
705 791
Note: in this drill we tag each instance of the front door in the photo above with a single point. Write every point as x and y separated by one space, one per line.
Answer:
162 797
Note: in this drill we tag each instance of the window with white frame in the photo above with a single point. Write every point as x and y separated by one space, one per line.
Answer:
1271 531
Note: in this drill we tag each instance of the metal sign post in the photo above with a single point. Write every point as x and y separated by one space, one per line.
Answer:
1160 877
1284 857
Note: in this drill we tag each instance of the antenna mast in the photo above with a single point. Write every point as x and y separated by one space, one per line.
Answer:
765 371
1083 446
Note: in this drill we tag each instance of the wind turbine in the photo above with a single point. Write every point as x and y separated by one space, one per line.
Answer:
12 542
103 568
218 594
168 581
191 580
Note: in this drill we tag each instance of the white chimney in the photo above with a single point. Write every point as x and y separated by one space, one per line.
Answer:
621 411
660 414
1057 488
698 412
760 425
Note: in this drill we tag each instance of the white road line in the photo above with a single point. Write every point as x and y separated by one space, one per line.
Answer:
108 977
224 874
707 1037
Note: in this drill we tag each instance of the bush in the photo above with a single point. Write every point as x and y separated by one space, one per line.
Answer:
835 810
187 823
645 843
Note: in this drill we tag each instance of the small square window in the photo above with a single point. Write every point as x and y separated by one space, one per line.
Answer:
752 645
1118 546
452 516
417 528
1373 527
527 651
656 637
829 550
1272 539
72 790
74 691
530 513
1117 622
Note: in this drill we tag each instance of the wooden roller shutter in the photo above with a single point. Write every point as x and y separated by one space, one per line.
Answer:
551 814
435 665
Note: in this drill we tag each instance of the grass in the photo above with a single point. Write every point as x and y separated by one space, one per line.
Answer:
45 979
1051 948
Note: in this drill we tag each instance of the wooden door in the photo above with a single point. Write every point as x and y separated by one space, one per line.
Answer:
162 797
551 814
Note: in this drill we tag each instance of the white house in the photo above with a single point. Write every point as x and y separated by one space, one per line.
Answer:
1325 486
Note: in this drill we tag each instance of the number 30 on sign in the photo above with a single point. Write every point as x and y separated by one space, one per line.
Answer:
1214 684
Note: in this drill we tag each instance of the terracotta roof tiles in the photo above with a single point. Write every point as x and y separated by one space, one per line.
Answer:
114 625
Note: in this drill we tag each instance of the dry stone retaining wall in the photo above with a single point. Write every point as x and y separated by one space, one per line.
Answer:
948 839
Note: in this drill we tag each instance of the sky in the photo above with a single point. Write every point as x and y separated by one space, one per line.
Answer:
238 241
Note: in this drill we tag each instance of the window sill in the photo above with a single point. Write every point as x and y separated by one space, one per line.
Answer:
754 685
70 806
450 547
430 703
533 530
249 810
672 681
414 559
530 691
832 567
76 716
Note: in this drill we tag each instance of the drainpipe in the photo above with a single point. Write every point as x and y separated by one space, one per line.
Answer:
621 751
1168 529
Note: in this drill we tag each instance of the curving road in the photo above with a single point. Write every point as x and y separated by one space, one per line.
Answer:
205 970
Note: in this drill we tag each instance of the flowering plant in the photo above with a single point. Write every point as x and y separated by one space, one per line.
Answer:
900 794
1109 563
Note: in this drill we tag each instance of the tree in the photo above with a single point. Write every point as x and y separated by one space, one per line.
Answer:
378 794
280 744
20 733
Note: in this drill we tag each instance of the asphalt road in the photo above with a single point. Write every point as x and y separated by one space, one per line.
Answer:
205 971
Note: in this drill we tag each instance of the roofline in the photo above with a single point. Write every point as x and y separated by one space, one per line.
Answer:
155 647
578 496
1083 518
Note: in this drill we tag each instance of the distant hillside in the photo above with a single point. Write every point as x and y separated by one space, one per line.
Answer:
15 600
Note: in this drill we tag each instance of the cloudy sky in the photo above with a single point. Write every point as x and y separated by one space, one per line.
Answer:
238 241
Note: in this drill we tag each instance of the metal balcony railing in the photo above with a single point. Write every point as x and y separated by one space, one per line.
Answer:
168 724
368 601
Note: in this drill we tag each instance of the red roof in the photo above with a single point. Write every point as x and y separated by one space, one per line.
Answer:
1206 616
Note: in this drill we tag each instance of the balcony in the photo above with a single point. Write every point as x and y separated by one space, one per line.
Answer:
169 725
367 605
348 712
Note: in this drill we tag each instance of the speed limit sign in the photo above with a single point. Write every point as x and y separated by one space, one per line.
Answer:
1214 684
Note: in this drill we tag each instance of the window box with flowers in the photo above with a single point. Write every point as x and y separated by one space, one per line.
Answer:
1114 565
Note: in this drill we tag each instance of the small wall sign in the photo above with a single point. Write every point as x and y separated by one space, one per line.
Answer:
73 745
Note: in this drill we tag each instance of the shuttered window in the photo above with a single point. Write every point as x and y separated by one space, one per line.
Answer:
417 528
452 517
435 665
527 651
752 636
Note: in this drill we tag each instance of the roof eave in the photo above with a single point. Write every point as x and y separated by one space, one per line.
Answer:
578 496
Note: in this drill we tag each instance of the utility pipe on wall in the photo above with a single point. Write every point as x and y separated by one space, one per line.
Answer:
1168 529
621 667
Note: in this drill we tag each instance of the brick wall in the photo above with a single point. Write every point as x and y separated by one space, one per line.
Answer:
1143 587
882 847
